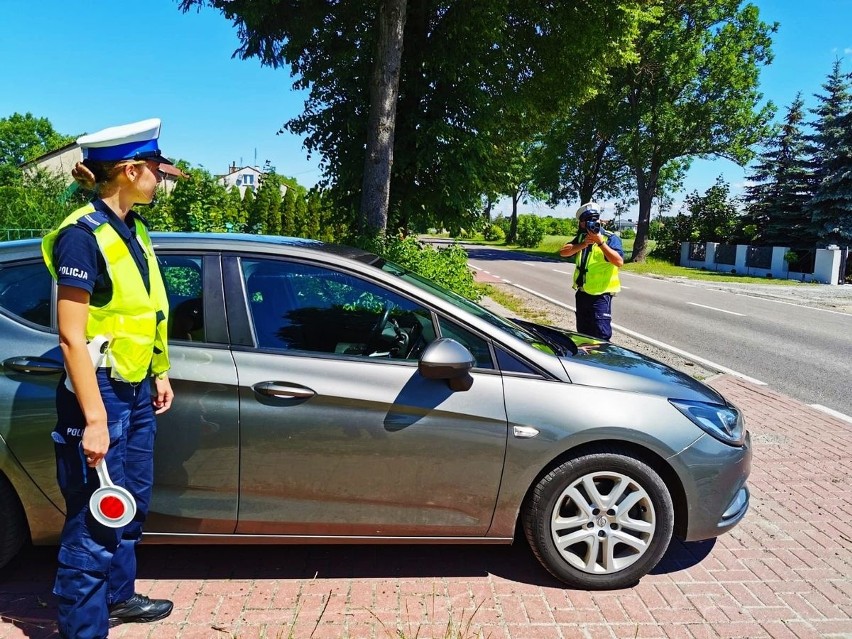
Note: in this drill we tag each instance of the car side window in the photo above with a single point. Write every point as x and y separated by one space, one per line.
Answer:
302 307
25 291
184 286
477 346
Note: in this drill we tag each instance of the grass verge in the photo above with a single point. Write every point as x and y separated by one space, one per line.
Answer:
551 244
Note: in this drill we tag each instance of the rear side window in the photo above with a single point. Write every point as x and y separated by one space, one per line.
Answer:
25 291
182 276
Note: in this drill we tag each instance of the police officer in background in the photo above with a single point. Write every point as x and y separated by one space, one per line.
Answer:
112 315
598 256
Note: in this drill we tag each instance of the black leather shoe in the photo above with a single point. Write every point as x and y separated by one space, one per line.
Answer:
139 609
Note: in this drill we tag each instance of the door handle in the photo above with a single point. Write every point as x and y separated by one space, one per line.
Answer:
33 365
282 390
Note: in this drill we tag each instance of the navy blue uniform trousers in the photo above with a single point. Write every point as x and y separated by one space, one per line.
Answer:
594 314
97 564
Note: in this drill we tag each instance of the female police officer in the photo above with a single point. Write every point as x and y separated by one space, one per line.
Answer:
112 311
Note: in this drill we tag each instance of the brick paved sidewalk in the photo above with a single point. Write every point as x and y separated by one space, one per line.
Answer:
786 571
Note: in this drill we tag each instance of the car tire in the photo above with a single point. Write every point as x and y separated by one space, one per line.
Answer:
13 525
599 521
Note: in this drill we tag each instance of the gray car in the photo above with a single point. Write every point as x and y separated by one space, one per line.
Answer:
325 395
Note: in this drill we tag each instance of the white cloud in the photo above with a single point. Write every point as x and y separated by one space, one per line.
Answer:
847 51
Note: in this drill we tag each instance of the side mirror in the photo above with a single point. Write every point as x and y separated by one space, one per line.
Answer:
446 359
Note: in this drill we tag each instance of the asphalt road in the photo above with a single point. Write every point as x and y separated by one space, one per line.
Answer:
801 351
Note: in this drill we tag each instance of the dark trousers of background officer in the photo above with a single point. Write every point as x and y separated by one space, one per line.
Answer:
594 314
97 565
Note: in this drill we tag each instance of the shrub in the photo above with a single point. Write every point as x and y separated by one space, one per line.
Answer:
530 231
628 234
560 226
446 266
492 233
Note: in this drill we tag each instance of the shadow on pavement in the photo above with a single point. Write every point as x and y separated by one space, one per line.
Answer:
497 255
26 583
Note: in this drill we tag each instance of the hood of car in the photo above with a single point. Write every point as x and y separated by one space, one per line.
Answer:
606 365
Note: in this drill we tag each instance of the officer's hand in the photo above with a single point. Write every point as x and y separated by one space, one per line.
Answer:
593 238
95 442
164 395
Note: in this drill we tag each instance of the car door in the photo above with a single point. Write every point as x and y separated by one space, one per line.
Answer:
31 367
340 434
196 460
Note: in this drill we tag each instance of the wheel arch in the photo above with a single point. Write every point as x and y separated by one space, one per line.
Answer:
637 451
15 530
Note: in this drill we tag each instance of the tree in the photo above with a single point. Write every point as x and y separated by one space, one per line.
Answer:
517 180
23 138
577 159
693 93
831 148
468 69
198 202
714 215
384 90
783 185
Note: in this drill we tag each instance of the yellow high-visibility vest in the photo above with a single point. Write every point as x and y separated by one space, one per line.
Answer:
135 321
601 275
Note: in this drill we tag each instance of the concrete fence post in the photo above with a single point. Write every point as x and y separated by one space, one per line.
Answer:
827 266
742 255
778 268
710 256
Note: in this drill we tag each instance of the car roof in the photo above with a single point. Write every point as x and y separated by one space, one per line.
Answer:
22 249
263 243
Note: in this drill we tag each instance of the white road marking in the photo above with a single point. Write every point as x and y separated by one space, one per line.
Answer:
475 267
768 299
556 270
650 340
832 412
713 308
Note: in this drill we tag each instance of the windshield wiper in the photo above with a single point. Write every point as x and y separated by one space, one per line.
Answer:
556 339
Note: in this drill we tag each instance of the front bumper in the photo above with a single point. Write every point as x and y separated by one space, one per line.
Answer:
714 479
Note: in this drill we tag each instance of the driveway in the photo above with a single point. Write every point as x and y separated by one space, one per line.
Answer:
786 571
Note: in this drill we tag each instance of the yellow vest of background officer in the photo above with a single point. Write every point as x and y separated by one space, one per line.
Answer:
601 275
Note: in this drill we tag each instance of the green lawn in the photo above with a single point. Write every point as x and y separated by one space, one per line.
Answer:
551 244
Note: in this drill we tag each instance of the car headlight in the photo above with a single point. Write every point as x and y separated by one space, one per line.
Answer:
723 422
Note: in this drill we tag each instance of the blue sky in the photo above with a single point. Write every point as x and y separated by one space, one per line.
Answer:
88 64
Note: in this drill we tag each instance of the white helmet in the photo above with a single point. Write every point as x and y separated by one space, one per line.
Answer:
589 208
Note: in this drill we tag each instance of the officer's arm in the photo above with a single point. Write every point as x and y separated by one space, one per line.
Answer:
72 314
572 248
612 256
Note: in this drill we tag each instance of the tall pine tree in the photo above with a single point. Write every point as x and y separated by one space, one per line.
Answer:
831 149
783 184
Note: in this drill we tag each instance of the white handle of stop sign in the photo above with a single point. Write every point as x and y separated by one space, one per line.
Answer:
111 505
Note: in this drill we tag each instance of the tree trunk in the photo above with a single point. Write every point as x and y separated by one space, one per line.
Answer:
513 227
640 244
384 90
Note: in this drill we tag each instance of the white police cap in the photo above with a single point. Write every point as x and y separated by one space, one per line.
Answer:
589 208
134 141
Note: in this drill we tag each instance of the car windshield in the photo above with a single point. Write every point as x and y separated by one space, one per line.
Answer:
471 307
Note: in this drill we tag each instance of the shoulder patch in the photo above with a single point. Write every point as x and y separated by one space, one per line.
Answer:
92 220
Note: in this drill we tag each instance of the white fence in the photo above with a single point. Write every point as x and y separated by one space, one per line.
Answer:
719 257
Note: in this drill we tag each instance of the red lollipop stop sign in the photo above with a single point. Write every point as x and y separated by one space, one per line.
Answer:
111 505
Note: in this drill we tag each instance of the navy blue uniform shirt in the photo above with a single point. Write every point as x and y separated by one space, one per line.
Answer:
80 263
